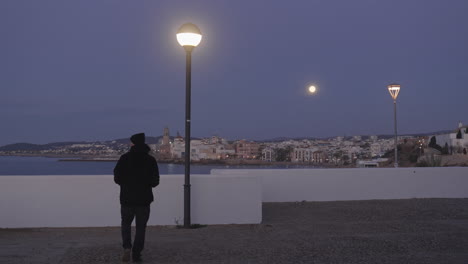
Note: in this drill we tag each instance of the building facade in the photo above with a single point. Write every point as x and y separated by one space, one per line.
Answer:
457 140
247 149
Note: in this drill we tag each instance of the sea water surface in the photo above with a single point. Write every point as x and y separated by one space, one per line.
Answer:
11 165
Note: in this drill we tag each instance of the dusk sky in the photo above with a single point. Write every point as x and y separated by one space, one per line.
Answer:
99 69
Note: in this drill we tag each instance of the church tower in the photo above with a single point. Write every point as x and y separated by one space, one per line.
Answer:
166 139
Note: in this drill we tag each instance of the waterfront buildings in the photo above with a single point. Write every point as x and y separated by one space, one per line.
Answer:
342 150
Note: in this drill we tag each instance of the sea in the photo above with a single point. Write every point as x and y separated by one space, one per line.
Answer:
13 165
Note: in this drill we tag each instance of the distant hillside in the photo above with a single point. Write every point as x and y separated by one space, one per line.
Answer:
149 140
36 147
155 140
364 137
281 139
435 133
55 145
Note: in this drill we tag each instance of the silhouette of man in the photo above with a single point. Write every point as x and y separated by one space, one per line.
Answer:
137 173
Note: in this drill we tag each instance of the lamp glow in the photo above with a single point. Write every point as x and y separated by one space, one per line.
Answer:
394 90
189 39
189 35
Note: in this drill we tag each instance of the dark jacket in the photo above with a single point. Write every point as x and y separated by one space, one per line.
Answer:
137 173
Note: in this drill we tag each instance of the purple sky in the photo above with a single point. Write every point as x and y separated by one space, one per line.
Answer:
100 69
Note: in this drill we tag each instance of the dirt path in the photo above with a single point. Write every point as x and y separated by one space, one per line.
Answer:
378 231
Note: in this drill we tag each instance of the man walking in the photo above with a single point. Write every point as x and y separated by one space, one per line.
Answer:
137 173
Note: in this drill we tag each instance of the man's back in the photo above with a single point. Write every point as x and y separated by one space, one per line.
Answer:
137 173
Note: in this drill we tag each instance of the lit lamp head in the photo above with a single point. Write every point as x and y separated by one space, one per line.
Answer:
189 36
394 89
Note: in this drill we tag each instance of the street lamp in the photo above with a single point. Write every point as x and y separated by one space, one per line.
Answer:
394 90
188 36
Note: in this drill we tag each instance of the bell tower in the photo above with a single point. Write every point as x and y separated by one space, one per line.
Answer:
166 139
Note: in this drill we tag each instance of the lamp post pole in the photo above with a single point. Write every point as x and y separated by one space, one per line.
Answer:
394 90
188 36
396 133
188 77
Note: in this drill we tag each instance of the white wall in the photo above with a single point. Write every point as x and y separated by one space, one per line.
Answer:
80 201
224 197
289 185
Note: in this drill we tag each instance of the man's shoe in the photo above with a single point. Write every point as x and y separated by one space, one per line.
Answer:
137 258
126 255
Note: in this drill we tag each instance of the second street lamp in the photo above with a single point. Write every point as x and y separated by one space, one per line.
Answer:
394 90
188 36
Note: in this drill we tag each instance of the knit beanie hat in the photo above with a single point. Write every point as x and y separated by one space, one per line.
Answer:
138 139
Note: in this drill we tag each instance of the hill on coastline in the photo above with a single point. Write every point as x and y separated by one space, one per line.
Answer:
55 145
155 140
384 136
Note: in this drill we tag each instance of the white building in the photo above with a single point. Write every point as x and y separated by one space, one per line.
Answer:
370 163
457 140
202 149
376 149
178 148
268 154
353 151
367 164
302 154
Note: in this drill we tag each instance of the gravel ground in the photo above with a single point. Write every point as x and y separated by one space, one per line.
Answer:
377 231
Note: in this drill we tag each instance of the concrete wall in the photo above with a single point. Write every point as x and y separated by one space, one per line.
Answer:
289 185
81 201
224 197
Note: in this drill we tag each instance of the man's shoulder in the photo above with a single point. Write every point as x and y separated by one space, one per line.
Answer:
125 156
151 158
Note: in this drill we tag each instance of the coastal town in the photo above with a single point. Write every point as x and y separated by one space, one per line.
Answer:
341 151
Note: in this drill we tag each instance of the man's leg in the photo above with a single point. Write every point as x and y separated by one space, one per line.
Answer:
142 215
127 213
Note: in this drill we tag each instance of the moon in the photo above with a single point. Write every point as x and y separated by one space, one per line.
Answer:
312 89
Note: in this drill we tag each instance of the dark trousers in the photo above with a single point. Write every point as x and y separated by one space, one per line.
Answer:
141 215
